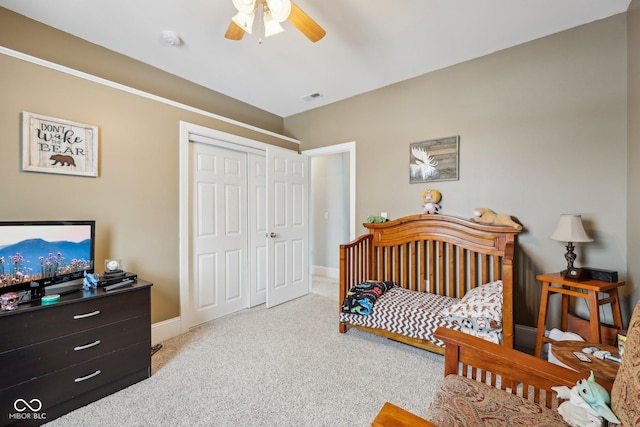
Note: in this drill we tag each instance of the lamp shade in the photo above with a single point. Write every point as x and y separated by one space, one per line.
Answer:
244 21
280 9
245 6
570 229
271 26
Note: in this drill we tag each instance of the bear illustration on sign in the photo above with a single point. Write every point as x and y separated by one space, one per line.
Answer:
63 160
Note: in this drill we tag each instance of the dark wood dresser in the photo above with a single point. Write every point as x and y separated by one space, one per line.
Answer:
58 357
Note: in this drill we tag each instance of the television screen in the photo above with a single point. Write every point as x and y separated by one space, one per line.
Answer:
43 253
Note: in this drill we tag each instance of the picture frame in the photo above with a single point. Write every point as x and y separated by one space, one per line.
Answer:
434 160
59 146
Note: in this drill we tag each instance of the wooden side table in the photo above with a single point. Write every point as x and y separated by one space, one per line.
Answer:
587 289
605 371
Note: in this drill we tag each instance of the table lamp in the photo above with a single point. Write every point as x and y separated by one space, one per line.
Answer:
570 230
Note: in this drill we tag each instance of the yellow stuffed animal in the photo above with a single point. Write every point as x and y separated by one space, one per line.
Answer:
487 216
431 197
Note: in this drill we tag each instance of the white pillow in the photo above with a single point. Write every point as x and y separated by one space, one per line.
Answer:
479 310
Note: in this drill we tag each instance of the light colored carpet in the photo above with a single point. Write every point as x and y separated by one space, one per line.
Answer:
285 366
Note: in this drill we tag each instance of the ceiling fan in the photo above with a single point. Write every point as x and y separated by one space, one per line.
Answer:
269 14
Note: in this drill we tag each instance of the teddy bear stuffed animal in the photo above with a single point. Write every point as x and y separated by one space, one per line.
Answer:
487 216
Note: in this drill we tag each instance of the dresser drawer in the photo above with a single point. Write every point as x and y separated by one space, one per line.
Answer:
60 386
45 357
54 321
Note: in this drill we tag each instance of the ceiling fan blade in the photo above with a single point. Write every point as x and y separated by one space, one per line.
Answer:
305 24
234 32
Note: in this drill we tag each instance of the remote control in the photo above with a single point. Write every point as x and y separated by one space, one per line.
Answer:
582 357
119 285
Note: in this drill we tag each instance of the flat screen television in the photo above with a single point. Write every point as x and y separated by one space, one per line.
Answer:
36 254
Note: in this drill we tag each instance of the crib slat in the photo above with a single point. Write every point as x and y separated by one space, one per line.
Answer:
393 266
485 268
432 268
473 269
441 252
452 271
414 266
420 267
497 271
406 269
390 263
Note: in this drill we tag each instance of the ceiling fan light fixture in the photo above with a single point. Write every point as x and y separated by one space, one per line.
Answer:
271 26
269 14
245 6
280 9
244 21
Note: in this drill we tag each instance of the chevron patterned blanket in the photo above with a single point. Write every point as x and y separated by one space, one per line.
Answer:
412 314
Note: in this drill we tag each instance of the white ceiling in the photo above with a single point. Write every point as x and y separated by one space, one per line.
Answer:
369 43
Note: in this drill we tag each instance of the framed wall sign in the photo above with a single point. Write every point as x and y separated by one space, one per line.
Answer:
434 160
60 146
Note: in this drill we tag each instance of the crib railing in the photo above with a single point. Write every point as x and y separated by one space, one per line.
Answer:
356 262
434 266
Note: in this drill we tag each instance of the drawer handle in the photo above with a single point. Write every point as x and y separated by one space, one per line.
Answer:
83 316
86 346
95 374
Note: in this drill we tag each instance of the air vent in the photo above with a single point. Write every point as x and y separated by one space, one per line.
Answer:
312 96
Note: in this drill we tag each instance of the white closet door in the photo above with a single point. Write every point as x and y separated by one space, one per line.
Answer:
237 196
219 233
287 213
257 229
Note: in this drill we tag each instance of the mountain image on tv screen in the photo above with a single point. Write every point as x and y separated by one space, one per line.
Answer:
36 258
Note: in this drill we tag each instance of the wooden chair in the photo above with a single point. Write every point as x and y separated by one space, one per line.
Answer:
485 362
516 373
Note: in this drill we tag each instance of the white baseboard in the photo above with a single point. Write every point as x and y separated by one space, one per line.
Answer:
166 329
331 273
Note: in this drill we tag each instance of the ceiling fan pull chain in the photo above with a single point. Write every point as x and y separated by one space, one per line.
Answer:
260 12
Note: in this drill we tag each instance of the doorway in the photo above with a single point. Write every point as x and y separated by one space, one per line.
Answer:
332 205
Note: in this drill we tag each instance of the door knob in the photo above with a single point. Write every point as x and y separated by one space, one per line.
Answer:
273 235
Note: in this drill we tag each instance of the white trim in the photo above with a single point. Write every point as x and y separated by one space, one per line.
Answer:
109 83
319 270
183 222
204 134
346 147
165 330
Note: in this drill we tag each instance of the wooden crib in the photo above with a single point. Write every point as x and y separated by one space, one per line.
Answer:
436 254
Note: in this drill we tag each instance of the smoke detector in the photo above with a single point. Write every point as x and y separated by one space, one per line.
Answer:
171 38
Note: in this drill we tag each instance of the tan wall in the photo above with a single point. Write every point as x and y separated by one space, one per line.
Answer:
33 38
134 200
542 126
633 145
542 132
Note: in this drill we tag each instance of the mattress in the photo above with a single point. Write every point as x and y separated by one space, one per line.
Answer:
409 313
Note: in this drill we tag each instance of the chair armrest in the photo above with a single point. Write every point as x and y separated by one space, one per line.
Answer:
393 416
466 354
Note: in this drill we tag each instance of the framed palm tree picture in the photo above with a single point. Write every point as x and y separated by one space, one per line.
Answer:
434 160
